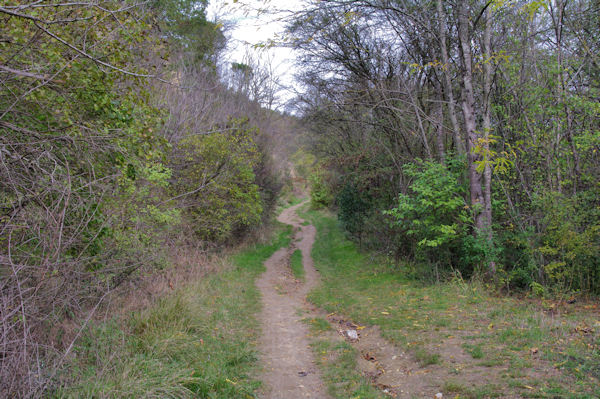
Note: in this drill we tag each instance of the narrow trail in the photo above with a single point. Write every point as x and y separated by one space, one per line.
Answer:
290 371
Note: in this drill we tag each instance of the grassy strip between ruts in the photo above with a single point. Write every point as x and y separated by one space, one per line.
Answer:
197 342
337 360
296 265
478 344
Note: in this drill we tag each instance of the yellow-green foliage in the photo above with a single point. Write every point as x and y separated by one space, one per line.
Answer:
217 169
87 140
92 182
320 192
303 162
569 246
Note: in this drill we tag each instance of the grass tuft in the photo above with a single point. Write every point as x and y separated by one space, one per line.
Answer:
474 350
318 325
425 357
296 265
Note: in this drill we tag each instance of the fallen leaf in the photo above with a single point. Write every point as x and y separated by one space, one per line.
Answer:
557 365
584 330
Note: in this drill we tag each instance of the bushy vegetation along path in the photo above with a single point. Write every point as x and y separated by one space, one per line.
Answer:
290 371
456 337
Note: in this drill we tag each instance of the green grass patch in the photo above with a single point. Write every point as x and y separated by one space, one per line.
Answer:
293 200
198 342
318 325
491 362
475 350
337 360
287 201
373 291
453 386
425 357
296 265
460 390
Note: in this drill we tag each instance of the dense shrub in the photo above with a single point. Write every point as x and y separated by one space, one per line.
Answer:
103 166
433 214
320 193
215 171
569 242
353 209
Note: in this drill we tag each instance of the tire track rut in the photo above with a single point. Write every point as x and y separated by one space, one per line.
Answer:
290 370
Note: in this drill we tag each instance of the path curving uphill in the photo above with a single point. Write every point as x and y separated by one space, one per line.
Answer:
290 370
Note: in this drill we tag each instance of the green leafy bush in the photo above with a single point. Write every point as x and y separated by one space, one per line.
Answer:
517 268
354 206
433 214
320 194
216 181
570 242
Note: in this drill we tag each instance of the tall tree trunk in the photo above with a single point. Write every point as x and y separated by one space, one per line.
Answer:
487 128
558 17
468 101
439 120
476 180
447 81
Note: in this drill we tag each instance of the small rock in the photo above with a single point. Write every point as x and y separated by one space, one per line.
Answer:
369 356
439 395
352 334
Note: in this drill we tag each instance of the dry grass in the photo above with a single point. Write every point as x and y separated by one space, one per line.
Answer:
195 339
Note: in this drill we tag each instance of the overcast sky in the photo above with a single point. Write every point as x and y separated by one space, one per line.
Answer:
250 28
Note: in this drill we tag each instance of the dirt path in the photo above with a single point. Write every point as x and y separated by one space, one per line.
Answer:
290 371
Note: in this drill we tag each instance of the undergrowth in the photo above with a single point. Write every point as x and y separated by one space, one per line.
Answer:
198 342
524 347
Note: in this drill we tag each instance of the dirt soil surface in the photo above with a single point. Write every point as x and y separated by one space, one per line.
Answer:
290 370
